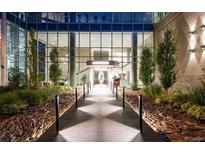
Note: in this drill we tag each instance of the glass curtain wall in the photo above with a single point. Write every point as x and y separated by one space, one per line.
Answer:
96 46
87 40
15 47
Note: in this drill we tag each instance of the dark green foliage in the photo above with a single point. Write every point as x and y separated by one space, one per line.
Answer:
153 91
26 96
4 89
165 59
134 66
9 98
32 60
16 78
194 110
10 109
31 97
84 79
147 66
134 86
54 70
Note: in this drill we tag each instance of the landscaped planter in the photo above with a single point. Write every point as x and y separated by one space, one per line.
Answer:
177 126
34 121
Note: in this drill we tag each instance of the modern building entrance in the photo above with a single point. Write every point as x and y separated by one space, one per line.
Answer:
100 118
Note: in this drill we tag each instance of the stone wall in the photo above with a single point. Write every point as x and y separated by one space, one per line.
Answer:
189 65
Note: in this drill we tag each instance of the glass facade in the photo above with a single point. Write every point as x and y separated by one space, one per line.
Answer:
95 46
80 37
15 47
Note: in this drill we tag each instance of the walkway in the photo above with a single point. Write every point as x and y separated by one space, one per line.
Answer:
99 118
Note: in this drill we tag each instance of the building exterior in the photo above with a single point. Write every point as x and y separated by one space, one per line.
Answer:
96 44
190 35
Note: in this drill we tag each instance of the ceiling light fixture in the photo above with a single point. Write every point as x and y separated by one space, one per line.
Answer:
110 62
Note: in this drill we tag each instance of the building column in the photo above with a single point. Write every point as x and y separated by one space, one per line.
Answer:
134 59
72 59
3 50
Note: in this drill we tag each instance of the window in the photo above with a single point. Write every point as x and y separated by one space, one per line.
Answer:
106 39
127 39
52 39
95 39
127 17
84 39
117 40
147 17
137 17
117 18
62 39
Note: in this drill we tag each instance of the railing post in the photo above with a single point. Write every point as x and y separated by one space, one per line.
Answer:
116 92
140 113
90 85
88 88
83 91
57 113
113 88
76 97
123 98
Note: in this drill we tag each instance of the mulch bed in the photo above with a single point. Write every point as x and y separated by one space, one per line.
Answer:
177 126
31 123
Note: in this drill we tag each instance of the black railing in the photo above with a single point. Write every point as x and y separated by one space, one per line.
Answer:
123 97
116 91
57 113
140 113
76 97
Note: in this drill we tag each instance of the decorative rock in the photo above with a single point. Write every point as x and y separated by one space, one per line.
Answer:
32 122
175 125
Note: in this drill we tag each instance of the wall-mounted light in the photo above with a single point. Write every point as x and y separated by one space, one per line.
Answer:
191 50
192 33
203 47
203 27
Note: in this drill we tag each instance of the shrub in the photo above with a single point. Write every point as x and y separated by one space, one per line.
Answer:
16 78
4 89
153 91
134 87
167 96
84 79
31 97
32 57
196 111
9 98
147 66
165 59
9 109
197 96
182 96
54 70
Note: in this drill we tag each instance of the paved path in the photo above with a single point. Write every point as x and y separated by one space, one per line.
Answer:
100 118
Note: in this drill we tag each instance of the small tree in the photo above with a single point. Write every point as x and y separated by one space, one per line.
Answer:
54 70
16 78
32 59
146 66
165 59
84 79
